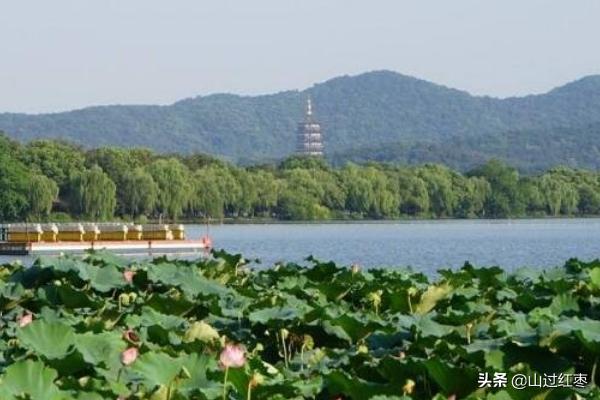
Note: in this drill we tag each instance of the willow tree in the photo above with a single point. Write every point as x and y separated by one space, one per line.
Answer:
206 200
43 191
139 192
92 194
174 188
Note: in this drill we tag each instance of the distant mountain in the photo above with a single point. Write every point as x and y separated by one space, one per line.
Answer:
528 150
382 110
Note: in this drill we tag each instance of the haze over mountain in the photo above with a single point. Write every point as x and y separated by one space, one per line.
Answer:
380 115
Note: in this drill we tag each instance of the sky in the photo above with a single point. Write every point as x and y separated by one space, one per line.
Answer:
65 54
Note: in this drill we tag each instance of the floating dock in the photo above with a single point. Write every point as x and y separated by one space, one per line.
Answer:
149 247
26 239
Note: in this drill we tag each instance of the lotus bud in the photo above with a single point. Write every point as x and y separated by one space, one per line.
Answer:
362 349
402 355
408 387
128 276
124 299
232 356
308 342
284 333
83 381
25 320
132 297
355 269
375 298
129 356
412 291
256 380
259 348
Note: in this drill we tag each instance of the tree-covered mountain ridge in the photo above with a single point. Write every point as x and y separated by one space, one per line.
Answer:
368 110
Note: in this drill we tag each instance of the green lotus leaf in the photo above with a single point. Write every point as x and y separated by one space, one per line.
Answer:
594 274
150 317
452 379
101 349
340 382
156 368
32 379
198 366
186 278
106 278
51 339
104 257
587 330
266 315
69 297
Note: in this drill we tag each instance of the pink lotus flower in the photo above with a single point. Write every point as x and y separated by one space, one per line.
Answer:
128 275
25 320
233 356
129 355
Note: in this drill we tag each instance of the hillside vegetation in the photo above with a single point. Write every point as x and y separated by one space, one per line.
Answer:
376 109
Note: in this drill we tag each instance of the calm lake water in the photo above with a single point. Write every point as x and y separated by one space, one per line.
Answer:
424 245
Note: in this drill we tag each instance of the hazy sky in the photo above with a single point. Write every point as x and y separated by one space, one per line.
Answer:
63 54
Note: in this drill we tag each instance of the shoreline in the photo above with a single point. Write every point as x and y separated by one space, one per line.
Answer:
381 221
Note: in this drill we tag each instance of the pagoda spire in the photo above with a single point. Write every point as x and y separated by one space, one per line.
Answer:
310 141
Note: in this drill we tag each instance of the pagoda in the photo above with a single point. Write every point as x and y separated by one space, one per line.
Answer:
310 140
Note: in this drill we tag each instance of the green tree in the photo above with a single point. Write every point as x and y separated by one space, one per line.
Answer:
359 191
300 197
55 159
268 190
439 181
174 188
139 192
14 188
43 191
414 198
589 199
92 194
504 198
206 200
471 197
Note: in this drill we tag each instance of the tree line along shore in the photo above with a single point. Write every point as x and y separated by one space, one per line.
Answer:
47 180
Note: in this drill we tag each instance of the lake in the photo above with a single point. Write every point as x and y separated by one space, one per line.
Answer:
424 245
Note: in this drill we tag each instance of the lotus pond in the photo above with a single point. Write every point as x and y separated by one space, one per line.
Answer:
104 327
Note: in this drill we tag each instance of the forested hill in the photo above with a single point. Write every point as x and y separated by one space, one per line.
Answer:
375 109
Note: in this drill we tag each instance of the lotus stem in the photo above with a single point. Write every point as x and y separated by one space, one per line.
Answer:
249 396
225 383
285 358
594 371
